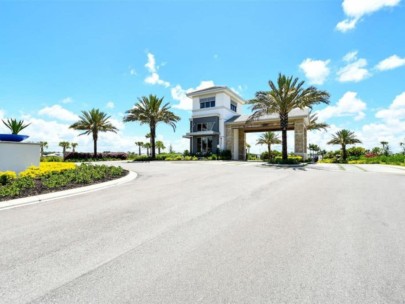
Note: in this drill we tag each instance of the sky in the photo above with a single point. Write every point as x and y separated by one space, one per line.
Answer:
58 58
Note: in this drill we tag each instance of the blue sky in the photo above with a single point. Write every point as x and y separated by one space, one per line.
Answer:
58 58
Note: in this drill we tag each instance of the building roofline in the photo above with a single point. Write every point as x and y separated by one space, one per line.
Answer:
216 89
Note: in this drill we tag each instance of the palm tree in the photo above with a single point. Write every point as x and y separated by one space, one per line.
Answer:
160 145
268 138
149 110
140 145
286 95
343 138
314 124
43 145
248 148
402 144
74 145
65 145
385 147
93 122
313 148
147 146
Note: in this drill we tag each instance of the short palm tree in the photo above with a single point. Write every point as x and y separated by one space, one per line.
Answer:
314 124
15 126
248 148
147 146
74 145
269 138
313 148
93 122
65 145
140 145
43 145
151 110
344 138
285 95
160 146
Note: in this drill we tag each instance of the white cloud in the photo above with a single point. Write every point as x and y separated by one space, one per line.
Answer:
390 63
67 100
110 105
356 9
179 94
315 70
58 112
355 69
395 113
348 105
154 77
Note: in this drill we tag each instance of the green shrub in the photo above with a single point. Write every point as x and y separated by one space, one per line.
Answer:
291 160
52 159
225 155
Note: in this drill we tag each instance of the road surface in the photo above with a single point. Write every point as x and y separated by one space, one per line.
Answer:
214 232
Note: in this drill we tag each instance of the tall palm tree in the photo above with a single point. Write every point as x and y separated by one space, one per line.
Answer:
285 95
314 124
268 138
402 144
385 147
147 146
43 145
93 122
65 145
140 145
151 110
74 145
160 146
343 138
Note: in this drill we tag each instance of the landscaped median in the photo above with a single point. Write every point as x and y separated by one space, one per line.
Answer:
54 176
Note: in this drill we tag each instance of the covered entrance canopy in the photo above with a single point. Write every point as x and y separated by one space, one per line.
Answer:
238 126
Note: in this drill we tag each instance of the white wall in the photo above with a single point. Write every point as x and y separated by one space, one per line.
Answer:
18 156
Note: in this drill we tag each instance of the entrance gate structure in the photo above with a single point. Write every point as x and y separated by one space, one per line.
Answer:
238 126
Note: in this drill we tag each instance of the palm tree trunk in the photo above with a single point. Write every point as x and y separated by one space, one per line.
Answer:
139 150
344 152
284 126
95 145
158 150
269 151
152 139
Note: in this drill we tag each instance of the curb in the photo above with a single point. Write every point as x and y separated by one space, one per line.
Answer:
285 165
25 201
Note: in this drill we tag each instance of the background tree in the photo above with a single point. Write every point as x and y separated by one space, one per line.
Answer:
285 95
344 138
65 145
160 146
140 145
43 145
385 147
313 149
248 148
93 122
268 138
402 144
171 149
74 145
147 146
150 110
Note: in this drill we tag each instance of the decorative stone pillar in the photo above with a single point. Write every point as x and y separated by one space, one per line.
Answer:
228 138
300 134
242 143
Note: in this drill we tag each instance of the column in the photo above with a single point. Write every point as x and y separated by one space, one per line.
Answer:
300 135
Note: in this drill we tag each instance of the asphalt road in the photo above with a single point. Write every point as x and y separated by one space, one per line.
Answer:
213 233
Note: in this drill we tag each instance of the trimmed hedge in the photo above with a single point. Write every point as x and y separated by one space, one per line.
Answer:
80 156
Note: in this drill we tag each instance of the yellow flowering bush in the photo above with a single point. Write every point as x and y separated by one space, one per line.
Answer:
7 176
47 168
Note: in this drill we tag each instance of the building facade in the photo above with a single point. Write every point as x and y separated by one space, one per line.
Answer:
212 107
217 124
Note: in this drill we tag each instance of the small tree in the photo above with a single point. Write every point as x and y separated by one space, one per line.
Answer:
402 144
140 145
74 145
343 138
160 146
269 138
147 146
171 149
65 145
385 147
43 145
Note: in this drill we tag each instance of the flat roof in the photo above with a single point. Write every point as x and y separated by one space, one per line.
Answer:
216 89
295 113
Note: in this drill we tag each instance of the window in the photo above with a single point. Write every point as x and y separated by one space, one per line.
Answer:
234 106
207 102
202 127
204 144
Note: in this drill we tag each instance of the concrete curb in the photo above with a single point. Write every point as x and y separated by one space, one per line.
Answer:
25 201
285 165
